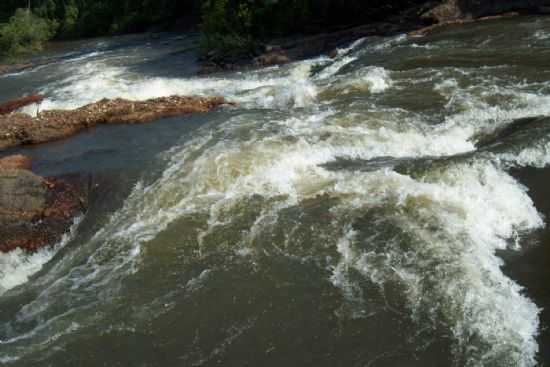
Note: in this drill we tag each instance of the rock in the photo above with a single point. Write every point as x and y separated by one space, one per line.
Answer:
448 11
426 30
35 212
21 191
19 129
10 106
452 10
272 58
16 162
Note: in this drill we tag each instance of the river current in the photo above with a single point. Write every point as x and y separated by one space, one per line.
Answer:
366 210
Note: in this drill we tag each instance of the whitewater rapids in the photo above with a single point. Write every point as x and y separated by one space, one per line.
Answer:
363 166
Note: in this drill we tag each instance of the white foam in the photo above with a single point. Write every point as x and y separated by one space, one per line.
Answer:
541 35
96 80
391 42
16 267
6 360
456 218
475 209
472 110
457 221
335 67
532 156
373 79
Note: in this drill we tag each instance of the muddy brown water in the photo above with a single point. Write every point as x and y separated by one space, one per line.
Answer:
344 214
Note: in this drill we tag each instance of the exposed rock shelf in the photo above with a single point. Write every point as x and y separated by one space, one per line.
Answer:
22 129
34 211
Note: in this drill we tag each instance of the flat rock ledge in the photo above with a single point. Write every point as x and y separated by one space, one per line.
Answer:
22 129
36 212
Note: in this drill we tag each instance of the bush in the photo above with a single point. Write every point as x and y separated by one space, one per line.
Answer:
237 25
226 26
25 32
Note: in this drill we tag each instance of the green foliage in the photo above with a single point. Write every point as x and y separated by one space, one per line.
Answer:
227 26
236 25
25 32
69 20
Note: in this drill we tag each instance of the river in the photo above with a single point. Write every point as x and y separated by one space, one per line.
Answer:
357 211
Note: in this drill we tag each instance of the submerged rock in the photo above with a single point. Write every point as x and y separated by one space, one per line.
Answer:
35 212
20 129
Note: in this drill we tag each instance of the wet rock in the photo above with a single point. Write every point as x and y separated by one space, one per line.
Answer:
20 129
35 212
452 10
426 30
13 105
16 162
448 11
272 58
21 191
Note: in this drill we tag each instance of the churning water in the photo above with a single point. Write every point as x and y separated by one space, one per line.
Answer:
349 212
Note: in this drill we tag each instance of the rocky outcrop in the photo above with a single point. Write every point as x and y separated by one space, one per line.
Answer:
35 212
415 17
13 105
16 162
275 57
452 10
20 129
426 30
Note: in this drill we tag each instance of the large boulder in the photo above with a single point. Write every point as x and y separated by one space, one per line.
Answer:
35 212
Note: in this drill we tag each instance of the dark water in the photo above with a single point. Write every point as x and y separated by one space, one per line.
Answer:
380 209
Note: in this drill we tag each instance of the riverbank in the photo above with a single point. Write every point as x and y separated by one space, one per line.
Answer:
416 20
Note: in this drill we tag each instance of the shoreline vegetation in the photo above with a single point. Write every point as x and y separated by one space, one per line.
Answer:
238 32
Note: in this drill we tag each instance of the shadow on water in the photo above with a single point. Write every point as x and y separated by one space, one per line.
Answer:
531 266
99 150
